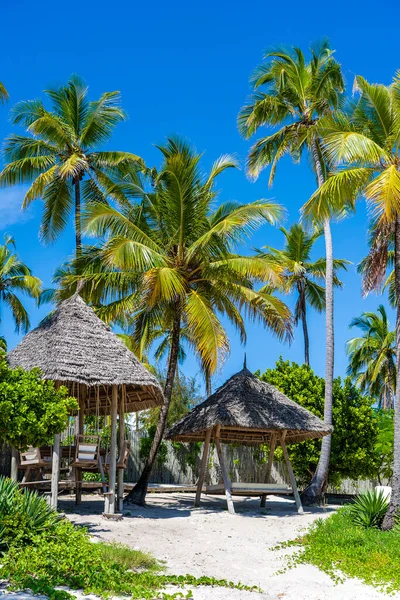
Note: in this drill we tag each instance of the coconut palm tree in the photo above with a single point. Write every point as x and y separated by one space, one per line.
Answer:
302 276
16 278
291 95
172 264
372 357
60 157
3 93
364 144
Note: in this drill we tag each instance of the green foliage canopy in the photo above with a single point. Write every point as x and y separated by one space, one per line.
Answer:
32 410
354 420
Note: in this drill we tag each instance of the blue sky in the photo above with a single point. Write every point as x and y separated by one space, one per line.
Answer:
183 68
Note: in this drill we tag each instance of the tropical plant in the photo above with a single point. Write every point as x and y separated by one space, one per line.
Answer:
369 509
3 93
16 277
32 410
171 264
301 275
23 515
60 157
364 144
372 357
292 95
355 452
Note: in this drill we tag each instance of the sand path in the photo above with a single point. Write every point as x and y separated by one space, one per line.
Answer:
208 541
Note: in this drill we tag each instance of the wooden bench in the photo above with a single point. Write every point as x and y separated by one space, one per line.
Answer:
251 489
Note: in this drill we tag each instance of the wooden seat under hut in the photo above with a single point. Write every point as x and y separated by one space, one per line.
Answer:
73 347
250 412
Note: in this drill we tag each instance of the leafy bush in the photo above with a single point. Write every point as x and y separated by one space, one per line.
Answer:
354 420
23 516
369 509
32 410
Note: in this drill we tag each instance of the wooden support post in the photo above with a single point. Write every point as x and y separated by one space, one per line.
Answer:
14 464
78 485
203 467
225 476
267 472
291 474
121 440
81 414
113 451
55 471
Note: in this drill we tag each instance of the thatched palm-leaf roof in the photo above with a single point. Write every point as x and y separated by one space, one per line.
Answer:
248 410
74 347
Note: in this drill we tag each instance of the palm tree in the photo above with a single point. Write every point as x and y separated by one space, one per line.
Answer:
3 93
16 277
171 265
291 95
372 357
364 144
60 157
301 275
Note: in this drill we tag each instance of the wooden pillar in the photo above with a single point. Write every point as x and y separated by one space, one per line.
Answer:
291 474
81 414
14 464
55 471
267 472
113 451
121 440
203 467
225 476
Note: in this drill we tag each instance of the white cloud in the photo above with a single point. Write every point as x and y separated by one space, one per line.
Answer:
10 207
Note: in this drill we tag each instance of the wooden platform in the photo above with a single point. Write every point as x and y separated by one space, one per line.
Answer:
250 489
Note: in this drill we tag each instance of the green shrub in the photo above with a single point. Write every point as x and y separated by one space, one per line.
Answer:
369 509
23 515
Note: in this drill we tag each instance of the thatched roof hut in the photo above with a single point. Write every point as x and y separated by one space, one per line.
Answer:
248 411
75 348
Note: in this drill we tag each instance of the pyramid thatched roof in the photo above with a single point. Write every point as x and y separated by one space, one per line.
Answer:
248 411
74 347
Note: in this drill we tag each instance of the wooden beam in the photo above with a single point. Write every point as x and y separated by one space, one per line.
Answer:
225 476
267 472
113 451
291 474
121 440
14 464
55 472
203 467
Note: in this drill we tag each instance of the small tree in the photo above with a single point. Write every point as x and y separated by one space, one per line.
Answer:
355 423
32 410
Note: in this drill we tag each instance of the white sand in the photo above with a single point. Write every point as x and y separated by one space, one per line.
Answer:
208 541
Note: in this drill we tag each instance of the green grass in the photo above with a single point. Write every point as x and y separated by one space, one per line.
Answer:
132 559
340 548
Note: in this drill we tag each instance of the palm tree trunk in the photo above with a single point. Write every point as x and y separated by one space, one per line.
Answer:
394 508
314 492
138 494
78 230
305 327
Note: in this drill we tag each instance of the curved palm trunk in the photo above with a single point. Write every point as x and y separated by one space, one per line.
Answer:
78 230
314 492
138 494
303 310
394 508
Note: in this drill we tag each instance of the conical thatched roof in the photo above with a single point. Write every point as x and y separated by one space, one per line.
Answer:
74 347
248 411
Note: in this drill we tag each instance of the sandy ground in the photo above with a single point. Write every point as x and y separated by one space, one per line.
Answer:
209 541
